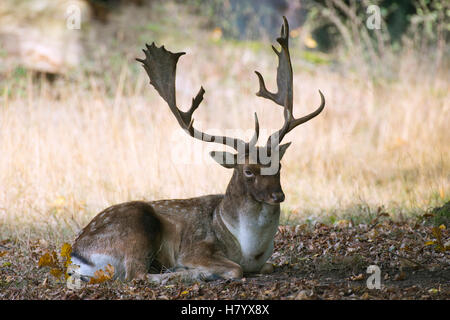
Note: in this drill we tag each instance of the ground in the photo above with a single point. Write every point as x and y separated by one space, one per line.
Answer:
311 262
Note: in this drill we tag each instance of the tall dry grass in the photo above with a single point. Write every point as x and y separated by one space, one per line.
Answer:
73 147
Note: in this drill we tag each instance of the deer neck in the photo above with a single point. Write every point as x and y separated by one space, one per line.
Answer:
246 227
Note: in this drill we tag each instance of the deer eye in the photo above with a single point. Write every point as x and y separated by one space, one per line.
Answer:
248 173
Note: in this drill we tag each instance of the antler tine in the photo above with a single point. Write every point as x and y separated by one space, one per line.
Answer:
279 135
160 65
254 139
284 95
295 122
194 105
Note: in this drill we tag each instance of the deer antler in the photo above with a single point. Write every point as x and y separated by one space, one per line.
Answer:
284 95
160 65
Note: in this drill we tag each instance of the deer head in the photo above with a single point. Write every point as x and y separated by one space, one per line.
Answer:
257 168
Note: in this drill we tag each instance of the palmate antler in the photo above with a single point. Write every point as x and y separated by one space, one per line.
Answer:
284 95
160 65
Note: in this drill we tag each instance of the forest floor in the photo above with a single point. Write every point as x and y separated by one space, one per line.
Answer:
311 262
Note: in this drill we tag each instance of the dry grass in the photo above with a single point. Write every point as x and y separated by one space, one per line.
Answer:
74 147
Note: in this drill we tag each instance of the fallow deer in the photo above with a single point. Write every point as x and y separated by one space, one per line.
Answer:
208 237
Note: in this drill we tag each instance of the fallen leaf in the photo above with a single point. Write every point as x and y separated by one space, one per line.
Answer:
48 260
56 272
101 276
437 232
302 295
109 270
365 296
358 277
66 250
400 276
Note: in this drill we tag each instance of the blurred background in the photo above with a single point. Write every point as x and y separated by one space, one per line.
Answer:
82 129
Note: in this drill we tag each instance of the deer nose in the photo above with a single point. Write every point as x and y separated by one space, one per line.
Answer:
277 197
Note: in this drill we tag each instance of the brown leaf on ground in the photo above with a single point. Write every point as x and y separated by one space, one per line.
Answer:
101 276
49 259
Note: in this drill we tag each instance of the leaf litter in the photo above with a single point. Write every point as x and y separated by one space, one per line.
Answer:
311 262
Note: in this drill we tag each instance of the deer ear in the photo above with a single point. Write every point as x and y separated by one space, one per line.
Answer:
282 149
225 159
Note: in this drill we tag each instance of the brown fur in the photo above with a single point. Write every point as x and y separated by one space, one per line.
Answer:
171 234
210 236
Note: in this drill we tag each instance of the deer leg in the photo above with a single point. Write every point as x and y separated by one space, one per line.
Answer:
215 266
204 268
135 269
267 268
188 275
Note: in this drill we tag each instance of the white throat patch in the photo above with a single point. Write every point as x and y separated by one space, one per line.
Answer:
255 232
